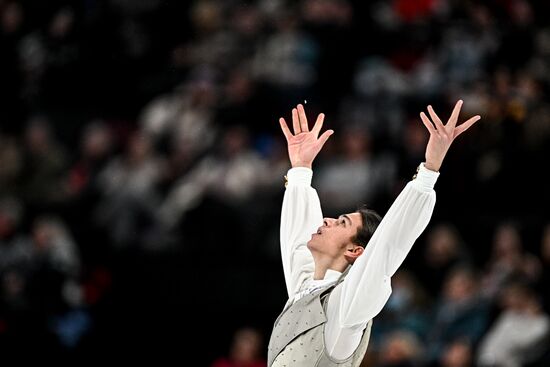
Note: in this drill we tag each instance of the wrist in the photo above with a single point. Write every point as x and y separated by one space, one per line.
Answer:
425 178
301 164
432 166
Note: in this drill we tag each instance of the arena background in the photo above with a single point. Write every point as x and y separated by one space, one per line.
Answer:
141 171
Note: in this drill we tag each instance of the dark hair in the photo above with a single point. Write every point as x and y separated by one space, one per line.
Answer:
371 220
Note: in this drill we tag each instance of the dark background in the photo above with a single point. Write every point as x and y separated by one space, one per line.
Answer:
107 106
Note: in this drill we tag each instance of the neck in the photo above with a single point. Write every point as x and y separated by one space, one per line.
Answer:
324 264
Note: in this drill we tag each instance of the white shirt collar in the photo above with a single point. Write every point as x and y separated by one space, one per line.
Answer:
331 276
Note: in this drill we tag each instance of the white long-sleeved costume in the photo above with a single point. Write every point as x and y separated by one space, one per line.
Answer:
367 287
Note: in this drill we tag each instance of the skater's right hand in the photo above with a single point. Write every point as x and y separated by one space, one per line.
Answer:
304 145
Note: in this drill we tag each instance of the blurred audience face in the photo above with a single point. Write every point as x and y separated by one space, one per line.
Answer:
13 285
403 292
6 226
97 141
11 17
206 16
442 246
503 83
507 242
202 94
399 349
62 23
235 141
521 12
10 214
355 144
328 11
528 87
460 286
42 234
246 347
415 138
139 148
457 354
480 15
239 86
247 20
519 298
37 136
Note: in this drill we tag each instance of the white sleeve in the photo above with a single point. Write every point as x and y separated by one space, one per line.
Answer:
301 215
366 289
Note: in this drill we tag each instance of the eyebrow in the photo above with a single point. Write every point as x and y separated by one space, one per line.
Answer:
346 217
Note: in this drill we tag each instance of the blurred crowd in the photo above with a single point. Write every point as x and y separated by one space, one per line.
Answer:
141 171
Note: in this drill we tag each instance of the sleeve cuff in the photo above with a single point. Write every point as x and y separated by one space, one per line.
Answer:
299 176
424 178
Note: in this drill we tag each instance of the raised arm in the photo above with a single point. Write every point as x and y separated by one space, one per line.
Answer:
301 212
367 286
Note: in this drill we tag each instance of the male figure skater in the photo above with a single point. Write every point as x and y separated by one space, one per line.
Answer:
338 270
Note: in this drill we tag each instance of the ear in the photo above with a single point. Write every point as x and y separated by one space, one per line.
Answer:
352 253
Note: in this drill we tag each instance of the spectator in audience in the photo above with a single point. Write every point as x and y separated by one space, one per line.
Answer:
405 310
45 163
444 251
129 185
184 117
245 351
54 246
353 176
520 335
460 312
401 349
508 260
95 149
458 353
16 256
231 175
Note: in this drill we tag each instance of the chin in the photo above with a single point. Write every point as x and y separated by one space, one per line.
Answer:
312 244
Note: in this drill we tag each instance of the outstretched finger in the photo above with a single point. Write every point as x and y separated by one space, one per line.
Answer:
285 128
437 121
427 123
465 126
324 137
318 124
303 119
296 122
454 115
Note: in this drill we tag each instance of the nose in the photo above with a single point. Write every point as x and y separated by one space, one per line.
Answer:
327 222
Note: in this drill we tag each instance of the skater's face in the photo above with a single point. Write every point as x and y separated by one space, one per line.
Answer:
336 235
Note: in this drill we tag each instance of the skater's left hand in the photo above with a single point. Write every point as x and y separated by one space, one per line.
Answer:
442 136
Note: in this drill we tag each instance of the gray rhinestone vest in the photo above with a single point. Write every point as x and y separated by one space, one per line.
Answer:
297 337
